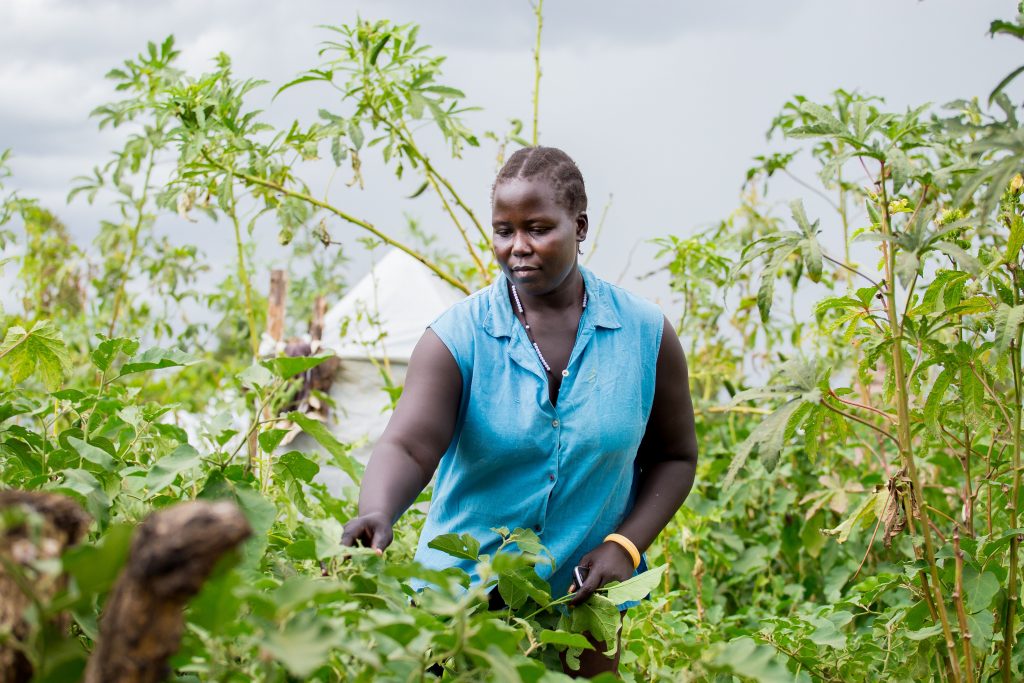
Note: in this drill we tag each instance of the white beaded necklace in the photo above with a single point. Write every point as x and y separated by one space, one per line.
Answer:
529 333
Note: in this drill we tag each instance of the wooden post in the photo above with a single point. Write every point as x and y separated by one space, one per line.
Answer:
316 325
277 303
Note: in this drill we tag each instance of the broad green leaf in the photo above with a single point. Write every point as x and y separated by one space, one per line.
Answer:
95 455
289 366
298 466
167 468
979 589
85 485
105 353
549 637
963 259
598 616
303 645
1016 240
924 633
636 588
157 358
255 377
826 629
271 439
461 546
981 625
40 351
521 583
339 451
96 566
760 663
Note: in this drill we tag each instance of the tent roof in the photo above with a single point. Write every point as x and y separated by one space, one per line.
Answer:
387 311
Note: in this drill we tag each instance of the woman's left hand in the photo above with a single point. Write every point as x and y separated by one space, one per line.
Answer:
607 562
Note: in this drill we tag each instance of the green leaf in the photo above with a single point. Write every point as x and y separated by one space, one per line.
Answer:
303 645
444 90
1016 240
636 588
157 358
599 617
521 583
760 663
866 512
95 567
981 625
271 439
89 489
461 546
41 351
105 353
297 465
355 134
339 451
286 367
95 455
767 439
549 637
255 377
338 150
826 629
167 468
1007 323
375 52
962 258
980 589
934 402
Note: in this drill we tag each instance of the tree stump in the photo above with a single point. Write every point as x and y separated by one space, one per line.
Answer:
34 526
172 554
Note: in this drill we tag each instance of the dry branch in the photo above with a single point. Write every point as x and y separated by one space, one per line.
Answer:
47 524
172 554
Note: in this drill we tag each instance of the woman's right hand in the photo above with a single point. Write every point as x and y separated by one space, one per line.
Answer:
373 530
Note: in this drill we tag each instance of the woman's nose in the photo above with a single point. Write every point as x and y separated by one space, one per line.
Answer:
520 244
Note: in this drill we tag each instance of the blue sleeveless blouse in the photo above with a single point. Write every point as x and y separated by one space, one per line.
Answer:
567 471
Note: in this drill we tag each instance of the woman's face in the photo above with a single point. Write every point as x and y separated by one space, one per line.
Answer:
535 236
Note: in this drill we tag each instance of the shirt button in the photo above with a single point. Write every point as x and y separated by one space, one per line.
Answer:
565 373
551 477
554 423
536 527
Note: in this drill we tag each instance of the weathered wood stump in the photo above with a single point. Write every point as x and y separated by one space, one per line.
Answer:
35 526
172 554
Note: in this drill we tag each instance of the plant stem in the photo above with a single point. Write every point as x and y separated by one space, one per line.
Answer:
961 613
140 206
458 224
243 277
538 11
903 431
369 227
1012 582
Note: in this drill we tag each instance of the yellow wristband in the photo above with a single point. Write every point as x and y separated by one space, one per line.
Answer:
628 545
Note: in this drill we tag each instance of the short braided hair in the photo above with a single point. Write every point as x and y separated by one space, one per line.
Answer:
553 165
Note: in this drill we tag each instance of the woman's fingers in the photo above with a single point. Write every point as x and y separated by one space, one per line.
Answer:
593 582
382 537
368 531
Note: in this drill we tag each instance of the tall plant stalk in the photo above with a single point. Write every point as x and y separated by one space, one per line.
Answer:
538 11
1012 581
133 249
243 278
903 432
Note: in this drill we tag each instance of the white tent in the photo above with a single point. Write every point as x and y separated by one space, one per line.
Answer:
385 314
374 327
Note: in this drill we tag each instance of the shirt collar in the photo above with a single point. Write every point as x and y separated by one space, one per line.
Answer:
501 321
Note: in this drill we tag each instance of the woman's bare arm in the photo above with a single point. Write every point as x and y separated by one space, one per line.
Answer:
668 461
417 435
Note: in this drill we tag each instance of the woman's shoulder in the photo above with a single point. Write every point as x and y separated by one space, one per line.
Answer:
628 305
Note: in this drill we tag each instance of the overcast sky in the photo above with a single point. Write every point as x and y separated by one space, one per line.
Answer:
661 103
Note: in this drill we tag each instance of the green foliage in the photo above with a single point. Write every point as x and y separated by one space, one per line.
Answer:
857 504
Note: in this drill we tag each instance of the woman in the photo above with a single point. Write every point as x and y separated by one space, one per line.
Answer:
551 400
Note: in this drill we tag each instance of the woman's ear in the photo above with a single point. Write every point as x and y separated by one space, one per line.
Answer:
582 224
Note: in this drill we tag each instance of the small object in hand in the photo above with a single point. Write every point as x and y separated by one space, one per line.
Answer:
579 575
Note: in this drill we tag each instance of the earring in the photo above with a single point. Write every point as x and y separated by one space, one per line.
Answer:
579 249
